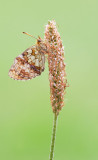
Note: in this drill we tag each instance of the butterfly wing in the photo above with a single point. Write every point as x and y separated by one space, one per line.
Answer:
29 64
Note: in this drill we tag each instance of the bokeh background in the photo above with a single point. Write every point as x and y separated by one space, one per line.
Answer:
25 113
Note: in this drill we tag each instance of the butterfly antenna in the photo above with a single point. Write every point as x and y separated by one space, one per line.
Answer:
29 35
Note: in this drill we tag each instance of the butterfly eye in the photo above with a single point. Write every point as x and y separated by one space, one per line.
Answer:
39 40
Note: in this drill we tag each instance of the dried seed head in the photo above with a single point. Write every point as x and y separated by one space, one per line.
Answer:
56 66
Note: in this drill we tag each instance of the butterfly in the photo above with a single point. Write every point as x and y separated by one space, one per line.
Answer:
30 63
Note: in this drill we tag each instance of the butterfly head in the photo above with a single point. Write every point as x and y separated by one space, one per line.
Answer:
41 45
39 40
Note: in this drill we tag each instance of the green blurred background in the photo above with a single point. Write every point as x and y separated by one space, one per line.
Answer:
25 113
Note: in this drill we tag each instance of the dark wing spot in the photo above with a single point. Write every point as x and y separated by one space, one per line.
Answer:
24 53
36 70
22 61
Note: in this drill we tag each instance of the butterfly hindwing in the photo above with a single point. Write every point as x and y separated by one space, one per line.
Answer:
29 64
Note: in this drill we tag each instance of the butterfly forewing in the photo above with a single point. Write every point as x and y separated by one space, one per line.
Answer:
29 64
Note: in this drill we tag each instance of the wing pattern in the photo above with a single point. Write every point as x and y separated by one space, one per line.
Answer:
29 64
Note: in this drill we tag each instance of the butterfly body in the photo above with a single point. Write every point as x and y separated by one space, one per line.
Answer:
30 63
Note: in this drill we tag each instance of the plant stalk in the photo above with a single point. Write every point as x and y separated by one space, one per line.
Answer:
53 137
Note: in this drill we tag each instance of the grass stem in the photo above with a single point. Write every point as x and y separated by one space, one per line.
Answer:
53 137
